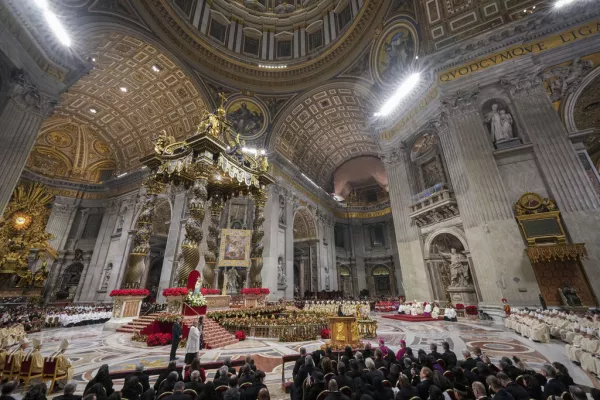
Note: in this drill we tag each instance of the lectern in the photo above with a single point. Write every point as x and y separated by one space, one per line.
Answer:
344 332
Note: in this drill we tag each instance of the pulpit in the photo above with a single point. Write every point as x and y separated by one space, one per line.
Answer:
344 332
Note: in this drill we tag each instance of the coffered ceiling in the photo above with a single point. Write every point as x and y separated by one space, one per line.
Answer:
134 92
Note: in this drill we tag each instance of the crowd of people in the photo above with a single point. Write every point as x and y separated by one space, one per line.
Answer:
581 333
77 316
345 307
381 374
10 335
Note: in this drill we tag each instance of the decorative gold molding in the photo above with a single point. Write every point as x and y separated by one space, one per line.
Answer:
558 252
363 215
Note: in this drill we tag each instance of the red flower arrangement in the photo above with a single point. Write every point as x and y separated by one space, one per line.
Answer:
209 291
256 291
175 291
158 339
240 335
471 310
460 306
325 333
130 292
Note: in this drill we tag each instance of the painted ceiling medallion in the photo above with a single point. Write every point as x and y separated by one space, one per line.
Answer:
247 117
394 53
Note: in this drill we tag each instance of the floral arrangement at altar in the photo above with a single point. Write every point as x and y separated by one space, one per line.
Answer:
240 335
130 292
158 339
175 291
255 291
221 315
460 306
170 318
295 319
195 300
325 333
207 292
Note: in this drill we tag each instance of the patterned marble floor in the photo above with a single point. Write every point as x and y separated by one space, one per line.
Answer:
91 347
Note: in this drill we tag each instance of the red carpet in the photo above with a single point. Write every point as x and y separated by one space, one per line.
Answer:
411 318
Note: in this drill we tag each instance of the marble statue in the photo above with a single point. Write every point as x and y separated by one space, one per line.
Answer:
197 286
327 282
500 124
459 269
232 280
567 78
280 273
281 210
106 279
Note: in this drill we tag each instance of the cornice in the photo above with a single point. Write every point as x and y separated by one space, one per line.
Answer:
210 59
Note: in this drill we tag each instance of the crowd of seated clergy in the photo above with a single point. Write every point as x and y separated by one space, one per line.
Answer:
581 333
381 374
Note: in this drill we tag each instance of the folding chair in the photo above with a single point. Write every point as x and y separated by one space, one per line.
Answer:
386 383
164 394
51 373
322 395
346 391
192 393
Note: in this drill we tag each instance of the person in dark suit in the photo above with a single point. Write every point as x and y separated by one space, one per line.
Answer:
449 356
479 391
178 392
434 353
334 393
407 391
477 354
223 379
553 386
163 375
506 365
426 376
373 373
317 385
251 393
341 378
68 392
175 338
300 361
517 391
142 377
195 383
468 363
499 392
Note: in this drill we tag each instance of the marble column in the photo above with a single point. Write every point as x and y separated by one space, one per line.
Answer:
20 118
173 240
414 274
358 245
564 175
494 238
289 248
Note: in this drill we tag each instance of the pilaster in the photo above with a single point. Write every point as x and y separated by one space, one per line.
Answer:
563 172
413 271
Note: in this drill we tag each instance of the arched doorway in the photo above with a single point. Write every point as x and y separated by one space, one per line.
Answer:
381 280
449 268
305 252
346 280
69 281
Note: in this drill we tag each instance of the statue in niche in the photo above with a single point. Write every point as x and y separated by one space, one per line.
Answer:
459 267
232 280
500 124
106 277
281 279
281 210
570 295
327 282
121 219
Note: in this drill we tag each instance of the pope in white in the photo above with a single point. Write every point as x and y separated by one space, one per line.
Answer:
193 343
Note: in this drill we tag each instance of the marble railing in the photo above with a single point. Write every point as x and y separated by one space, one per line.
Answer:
439 205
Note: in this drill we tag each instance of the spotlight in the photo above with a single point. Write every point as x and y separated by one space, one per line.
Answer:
43 4
417 57
122 175
156 68
218 177
124 89
93 110
403 90
57 28
562 3
93 59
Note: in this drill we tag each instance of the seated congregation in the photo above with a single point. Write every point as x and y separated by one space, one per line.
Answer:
380 374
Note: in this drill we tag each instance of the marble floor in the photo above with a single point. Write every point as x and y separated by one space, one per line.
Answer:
91 347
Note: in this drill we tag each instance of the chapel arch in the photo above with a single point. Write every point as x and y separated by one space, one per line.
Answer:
305 252
382 280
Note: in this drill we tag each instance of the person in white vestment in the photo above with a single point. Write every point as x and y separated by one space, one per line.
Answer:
449 314
427 311
193 343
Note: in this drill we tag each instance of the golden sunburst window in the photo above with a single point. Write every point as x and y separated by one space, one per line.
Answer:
21 221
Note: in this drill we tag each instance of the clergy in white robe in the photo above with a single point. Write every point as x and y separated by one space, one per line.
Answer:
193 343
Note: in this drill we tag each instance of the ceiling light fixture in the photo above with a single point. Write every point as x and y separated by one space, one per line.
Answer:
93 110
122 175
156 68
562 3
269 66
123 89
42 4
403 90
93 59
57 28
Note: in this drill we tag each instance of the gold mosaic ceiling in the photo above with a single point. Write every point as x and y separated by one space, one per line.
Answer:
324 129
72 151
304 225
153 100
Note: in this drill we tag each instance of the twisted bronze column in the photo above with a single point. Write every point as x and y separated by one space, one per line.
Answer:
256 260
212 242
190 249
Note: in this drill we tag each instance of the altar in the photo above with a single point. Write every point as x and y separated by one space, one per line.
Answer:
344 332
